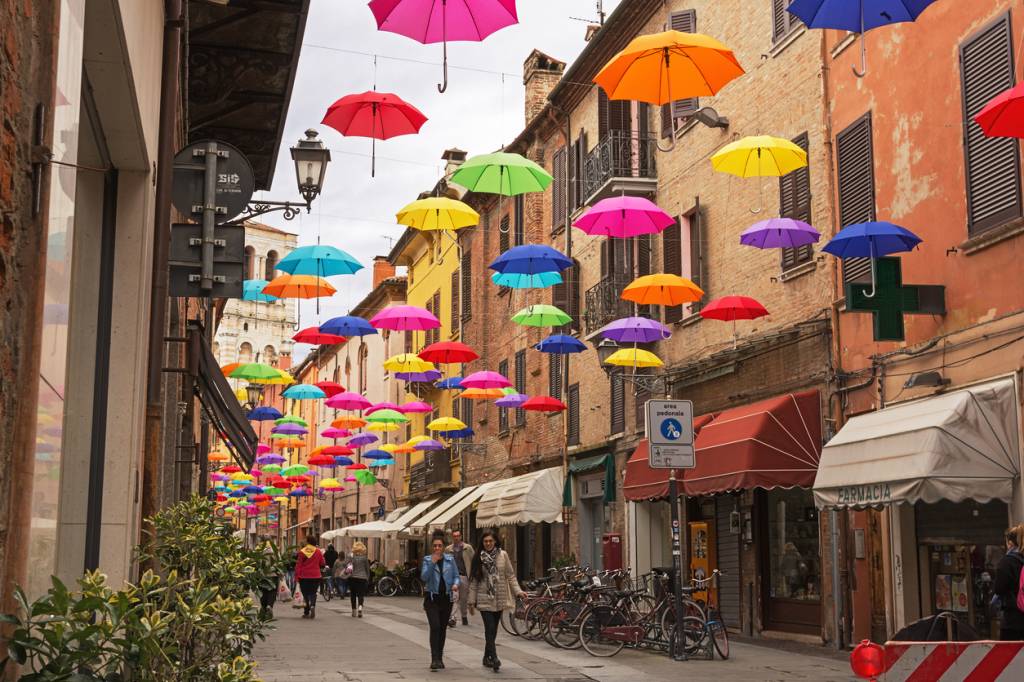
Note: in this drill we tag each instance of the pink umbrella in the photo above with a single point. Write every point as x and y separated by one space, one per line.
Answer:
255 472
623 217
347 401
262 448
405 318
382 406
332 432
485 379
429 21
415 407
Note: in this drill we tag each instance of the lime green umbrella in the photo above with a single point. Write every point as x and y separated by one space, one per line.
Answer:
295 470
509 390
292 419
387 416
279 436
255 372
364 476
541 315
502 173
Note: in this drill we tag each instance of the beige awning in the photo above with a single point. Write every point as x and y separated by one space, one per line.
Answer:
473 494
418 526
955 446
385 529
395 514
531 498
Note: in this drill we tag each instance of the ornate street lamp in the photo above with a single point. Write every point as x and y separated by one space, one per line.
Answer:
646 382
311 158
254 395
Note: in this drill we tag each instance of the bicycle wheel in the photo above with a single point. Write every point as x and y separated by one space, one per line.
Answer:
641 606
508 622
668 616
719 635
592 631
326 590
690 636
517 616
564 624
534 615
387 586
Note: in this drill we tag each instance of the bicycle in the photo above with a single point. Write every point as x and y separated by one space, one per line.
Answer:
326 588
695 633
403 582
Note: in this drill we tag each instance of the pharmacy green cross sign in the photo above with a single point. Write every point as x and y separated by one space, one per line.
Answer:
893 300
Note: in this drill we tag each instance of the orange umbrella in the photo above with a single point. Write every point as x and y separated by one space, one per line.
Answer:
404 450
348 422
226 370
299 286
289 443
481 393
662 289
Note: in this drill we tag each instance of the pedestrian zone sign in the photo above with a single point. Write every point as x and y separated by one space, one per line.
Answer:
670 434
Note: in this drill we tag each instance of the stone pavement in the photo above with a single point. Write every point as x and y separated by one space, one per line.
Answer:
390 643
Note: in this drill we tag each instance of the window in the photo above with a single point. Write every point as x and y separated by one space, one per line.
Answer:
566 297
503 234
502 412
270 356
617 391
245 352
578 161
250 263
641 397
519 231
681 109
364 352
435 307
558 189
467 285
795 203
520 381
992 163
793 552
783 23
574 415
555 375
856 179
467 411
453 313
683 248
613 115
271 264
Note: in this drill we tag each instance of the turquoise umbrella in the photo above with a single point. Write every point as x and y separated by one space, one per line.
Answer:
322 261
252 290
516 280
304 392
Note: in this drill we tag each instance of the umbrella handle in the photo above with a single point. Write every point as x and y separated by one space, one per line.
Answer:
863 71
671 116
444 39
755 211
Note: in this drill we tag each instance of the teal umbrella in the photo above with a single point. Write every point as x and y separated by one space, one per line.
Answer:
321 261
304 392
515 280
502 173
252 290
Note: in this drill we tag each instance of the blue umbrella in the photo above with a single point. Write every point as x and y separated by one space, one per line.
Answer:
349 325
252 489
322 261
561 343
871 240
857 16
458 433
530 259
451 383
342 461
263 413
237 493
252 290
377 454
304 392
515 280
380 463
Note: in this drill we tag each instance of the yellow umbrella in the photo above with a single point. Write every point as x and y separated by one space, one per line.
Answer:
407 362
299 286
242 476
416 440
759 156
633 357
382 426
388 447
662 289
438 213
446 424
283 379
281 500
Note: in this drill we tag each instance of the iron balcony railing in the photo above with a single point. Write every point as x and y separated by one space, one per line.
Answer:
604 304
619 154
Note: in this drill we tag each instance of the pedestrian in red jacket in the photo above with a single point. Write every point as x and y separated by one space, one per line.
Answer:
309 563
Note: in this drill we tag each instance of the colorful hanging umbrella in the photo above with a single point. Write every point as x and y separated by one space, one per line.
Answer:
289 443
541 315
544 404
562 344
1003 115
313 336
269 458
662 289
481 393
485 379
292 419
732 308
437 213
759 156
378 463
348 401
457 433
263 413
330 485
448 352
320 460
335 433
377 115
347 325
445 424
271 469
405 318
635 330
531 259
415 407
384 405
407 362
227 369
376 454
289 430
502 173
389 448
361 439
283 378
295 470
252 290
779 233
623 217
337 450
304 392
633 357
255 373
515 280
382 427
514 400
365 477
871 240
218 456
342 460
300 492
299 286
429 21
330 387
419 377
356 467
450 383
262 449
348 421
319 261
429 444
387 416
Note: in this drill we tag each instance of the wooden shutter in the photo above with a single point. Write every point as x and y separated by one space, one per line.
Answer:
617 401
577 187
558 194
782 21
555 375
613 115
572 278
467 285
520 381
672 253
454 309
698 257
992 163
642 396
435 307
502 412
856 179
685 21
503 234
573 400
519 233
407 341
643 266
795 203
467 412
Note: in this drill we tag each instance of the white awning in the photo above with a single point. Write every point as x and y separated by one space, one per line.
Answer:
531 498
473 494
419 525
396 514
954 446
386 529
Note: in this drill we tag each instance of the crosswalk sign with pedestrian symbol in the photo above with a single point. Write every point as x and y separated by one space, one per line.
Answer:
670 434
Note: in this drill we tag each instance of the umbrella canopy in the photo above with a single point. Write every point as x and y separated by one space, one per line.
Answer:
623 217
407 362
663 67
218 456
292 419
387 416
377 115
374 463
429 444
856 15
437 213
295 470
337 450
448 352
485 379
304 392
383 405
731 308
636 330
348 401
283 378
289 443
1003 116
252 290
662 289
255 373
330 387
320 460
502 173
451 383
347 325
361 439
561 343
531 259
779 233
481 393
871 240
348 421
290 429
458 433
263 413
382 427
516 280
377 454
334 432
342 460
416 407
445 424
299 286
388 447
513 400
759 156
262 449
269 458
318 260
633 357
422 377
330 484
313 336
405 318
416 439
544 403
541 315
300 492
227 369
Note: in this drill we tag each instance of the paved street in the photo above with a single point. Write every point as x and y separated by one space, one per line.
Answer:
390 643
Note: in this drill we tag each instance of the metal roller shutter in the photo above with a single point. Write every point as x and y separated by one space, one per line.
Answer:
728 547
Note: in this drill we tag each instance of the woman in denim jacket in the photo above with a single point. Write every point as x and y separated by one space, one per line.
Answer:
440 578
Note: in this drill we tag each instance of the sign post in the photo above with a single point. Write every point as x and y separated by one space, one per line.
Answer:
669 426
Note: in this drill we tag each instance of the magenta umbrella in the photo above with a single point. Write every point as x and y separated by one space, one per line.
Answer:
623 217
347 400
335 433
485 379
430 21
415 407
382 406
405 318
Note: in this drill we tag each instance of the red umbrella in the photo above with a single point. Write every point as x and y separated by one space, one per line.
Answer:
341 450
312 335
732 308
544 403
377 115
330 387
1003 116
357 466
448 352
321 460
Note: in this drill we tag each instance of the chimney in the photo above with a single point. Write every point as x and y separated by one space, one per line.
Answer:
453 158
540 74
592 30
382 270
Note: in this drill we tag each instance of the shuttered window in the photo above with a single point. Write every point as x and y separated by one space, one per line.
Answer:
558 189
434 335
643 267
520 381
577 186
782 21
503 234
467 285
680 109
795 203
566 297
613 114
856 179
502 412
992 163
574 415
617 401
453 312
519 229
671 249
698 260
467 411
555 375
642 396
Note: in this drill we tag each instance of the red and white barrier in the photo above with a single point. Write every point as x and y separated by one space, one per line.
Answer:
984 661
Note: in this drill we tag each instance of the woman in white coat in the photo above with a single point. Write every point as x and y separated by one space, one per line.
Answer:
493 589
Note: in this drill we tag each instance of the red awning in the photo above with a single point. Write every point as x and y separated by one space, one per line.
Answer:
771 444
644 483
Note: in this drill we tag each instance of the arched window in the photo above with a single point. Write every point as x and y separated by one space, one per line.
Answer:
270 356
250 263
245 352
364 351
271 264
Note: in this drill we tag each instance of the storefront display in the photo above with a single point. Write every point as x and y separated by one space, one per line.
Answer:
793 579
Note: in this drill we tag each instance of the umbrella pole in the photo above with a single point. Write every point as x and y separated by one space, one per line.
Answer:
671 114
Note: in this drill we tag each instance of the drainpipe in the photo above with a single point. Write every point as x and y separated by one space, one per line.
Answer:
158 301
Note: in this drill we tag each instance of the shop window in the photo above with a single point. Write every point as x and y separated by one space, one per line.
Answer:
794 561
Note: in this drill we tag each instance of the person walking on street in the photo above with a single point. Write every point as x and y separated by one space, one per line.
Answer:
268 591
330 556
492 589
358 569
309 562
440 590
339 576
1007 585
463 553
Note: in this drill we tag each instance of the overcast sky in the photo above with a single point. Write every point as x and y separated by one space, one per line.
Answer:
481 110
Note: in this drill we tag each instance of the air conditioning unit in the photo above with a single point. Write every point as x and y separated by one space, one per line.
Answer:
592 487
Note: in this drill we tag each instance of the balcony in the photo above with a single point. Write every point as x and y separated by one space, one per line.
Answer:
432 475
603 304
622 162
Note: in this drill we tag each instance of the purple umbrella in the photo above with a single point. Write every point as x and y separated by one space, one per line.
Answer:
429 444
623 217
636 330
290 429
270 458
514 400
419 377
361 439
779 233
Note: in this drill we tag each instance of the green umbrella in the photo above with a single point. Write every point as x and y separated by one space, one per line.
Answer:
292 419
278 436
509 390
502 173
365 477
255 372
540 315
273 492
387 416
295 470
